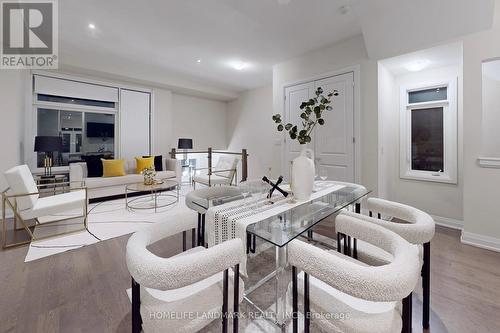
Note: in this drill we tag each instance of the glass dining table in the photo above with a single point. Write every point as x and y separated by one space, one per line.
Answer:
282 228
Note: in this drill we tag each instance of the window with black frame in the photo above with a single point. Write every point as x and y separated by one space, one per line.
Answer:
428 132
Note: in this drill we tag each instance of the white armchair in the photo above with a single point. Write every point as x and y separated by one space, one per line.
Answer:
347 295
195 282
222 174
23 198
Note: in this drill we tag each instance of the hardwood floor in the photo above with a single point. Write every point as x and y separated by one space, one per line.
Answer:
84 290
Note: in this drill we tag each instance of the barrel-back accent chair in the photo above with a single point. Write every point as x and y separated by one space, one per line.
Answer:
23 198
196 281
358 297
224 172
414 225
418 228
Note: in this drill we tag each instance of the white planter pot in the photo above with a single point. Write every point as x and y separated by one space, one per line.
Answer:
303 174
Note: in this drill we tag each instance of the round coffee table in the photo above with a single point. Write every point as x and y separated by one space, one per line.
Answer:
157 195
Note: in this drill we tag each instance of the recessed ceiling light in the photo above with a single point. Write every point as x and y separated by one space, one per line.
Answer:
417 65
91 26
238 65
198 61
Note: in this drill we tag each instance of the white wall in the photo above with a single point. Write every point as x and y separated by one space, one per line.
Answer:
201 119
336 58
250 126
388 97
491 117
439 199
481 185
12 96
163 122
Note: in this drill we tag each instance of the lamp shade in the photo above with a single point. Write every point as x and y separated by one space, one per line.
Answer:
185 143
48 143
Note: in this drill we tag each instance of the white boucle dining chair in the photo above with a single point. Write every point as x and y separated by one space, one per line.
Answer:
344 295
414 225
186 292
197 200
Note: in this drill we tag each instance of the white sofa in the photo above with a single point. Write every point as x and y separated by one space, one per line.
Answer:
100 187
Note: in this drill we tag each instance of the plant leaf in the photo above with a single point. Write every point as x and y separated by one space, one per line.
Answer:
321 121
280 127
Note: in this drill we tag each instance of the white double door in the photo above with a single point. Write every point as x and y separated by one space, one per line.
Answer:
333 143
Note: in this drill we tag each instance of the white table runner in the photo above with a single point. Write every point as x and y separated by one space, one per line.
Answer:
230 220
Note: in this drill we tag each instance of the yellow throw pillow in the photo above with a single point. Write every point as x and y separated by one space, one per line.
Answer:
113 168
144 163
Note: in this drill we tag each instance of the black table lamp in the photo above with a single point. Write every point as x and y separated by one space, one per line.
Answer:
185 144
47 145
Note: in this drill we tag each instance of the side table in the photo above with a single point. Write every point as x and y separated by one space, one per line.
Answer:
50 185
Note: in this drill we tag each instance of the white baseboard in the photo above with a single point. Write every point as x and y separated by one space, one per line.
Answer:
448 222
482 241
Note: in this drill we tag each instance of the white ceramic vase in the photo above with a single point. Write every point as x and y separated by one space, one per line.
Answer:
303 174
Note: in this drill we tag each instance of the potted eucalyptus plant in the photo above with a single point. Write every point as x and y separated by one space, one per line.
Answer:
311 116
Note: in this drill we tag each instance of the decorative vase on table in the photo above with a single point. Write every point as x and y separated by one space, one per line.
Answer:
303 174
311 112
149 176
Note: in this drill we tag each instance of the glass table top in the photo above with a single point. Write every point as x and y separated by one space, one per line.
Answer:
218 199
141 187
283 228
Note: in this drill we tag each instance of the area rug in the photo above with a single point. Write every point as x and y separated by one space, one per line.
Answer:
106 220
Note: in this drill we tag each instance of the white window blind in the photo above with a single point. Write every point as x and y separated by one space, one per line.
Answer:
68 88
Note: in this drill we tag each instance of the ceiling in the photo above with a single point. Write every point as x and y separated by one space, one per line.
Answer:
436 57
161 41
392 27
168 36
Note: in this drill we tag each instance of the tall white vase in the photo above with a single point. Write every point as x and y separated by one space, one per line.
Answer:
303 174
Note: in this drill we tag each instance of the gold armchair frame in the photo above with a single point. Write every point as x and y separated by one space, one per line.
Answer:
6 201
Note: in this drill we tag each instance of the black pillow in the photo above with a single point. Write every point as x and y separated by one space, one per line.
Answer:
158 162
94 165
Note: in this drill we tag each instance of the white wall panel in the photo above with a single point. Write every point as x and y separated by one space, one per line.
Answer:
134 123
